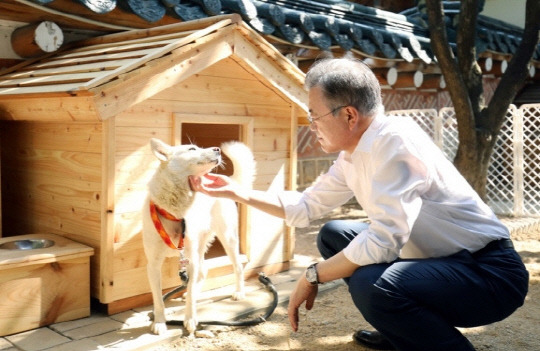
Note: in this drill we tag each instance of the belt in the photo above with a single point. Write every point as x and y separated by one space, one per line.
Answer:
501 244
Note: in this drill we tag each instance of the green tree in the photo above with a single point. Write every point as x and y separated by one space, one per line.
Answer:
478 123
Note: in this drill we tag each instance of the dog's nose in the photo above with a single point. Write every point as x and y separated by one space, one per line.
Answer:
217 150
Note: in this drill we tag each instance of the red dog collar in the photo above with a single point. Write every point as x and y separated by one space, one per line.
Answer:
154 211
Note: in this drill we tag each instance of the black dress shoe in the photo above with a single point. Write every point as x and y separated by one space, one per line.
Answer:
373 340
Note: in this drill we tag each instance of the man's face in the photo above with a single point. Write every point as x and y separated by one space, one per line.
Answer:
331 131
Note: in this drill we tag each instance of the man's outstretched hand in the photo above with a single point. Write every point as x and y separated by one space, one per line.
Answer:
212 184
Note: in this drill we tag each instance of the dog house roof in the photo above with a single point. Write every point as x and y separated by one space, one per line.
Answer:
100 77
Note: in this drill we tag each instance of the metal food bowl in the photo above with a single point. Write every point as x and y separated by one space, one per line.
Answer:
27 244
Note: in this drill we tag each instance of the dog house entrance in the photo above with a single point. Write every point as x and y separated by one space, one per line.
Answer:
210 135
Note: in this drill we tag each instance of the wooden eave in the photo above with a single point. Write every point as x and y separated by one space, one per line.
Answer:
100 77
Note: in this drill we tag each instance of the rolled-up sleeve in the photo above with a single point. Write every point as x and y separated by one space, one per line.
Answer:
328 192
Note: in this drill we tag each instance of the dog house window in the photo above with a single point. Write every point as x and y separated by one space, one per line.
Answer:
211 135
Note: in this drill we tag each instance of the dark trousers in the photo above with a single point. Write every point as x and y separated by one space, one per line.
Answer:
418 303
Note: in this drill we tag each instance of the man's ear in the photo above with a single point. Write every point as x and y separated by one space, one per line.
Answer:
353 116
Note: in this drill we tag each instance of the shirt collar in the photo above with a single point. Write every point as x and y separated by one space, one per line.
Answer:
365 142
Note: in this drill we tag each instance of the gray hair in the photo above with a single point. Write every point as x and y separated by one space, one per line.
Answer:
346 81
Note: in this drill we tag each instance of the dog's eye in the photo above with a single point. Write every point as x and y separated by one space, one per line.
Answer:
192 149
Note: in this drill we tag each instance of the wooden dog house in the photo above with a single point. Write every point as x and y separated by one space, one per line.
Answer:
75 131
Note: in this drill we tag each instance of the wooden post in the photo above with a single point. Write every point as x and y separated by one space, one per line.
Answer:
499 67
433 81
386 76
409 80
486 64
534 73
36 39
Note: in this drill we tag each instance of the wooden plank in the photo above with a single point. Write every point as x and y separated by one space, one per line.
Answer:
79 224
106 255
133 55
278 70
261 113
162 74
56 88
292 180
268 181
134 282
79 68
135 169
275 121
271 139
130 255
128 226
162 51
223 119
63 249
228 68
130 197
43 164
66 137
147 46
146 113
136 140
67 194
38 295
272 52
70 78
202 88
273 168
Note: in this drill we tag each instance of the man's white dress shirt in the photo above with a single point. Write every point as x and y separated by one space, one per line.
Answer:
417 202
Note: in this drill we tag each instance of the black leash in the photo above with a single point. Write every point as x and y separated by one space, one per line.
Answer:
241 323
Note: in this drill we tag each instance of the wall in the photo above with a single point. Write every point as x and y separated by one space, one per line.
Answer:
51 181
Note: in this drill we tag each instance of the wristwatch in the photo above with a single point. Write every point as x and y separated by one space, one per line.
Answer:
311 274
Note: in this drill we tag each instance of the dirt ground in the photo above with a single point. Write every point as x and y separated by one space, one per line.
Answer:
333 320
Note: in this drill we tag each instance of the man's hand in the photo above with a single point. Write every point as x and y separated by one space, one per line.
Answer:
303 291
213 185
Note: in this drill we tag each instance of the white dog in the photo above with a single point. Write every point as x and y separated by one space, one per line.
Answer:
170 198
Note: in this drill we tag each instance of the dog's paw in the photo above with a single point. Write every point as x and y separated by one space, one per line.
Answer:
238 295
159 328
191 325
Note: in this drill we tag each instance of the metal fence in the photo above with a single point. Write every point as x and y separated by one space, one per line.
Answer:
513 175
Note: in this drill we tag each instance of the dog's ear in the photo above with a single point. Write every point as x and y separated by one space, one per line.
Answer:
161 150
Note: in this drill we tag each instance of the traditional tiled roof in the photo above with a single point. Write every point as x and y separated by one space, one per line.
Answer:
326 25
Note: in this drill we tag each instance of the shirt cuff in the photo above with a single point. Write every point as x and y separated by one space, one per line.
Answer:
296 214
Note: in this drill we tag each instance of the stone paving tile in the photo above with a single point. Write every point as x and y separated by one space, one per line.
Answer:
78 323
37 339
5 345
101 327
133 338
132 318
78 345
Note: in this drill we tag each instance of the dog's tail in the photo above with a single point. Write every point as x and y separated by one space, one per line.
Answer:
242 160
